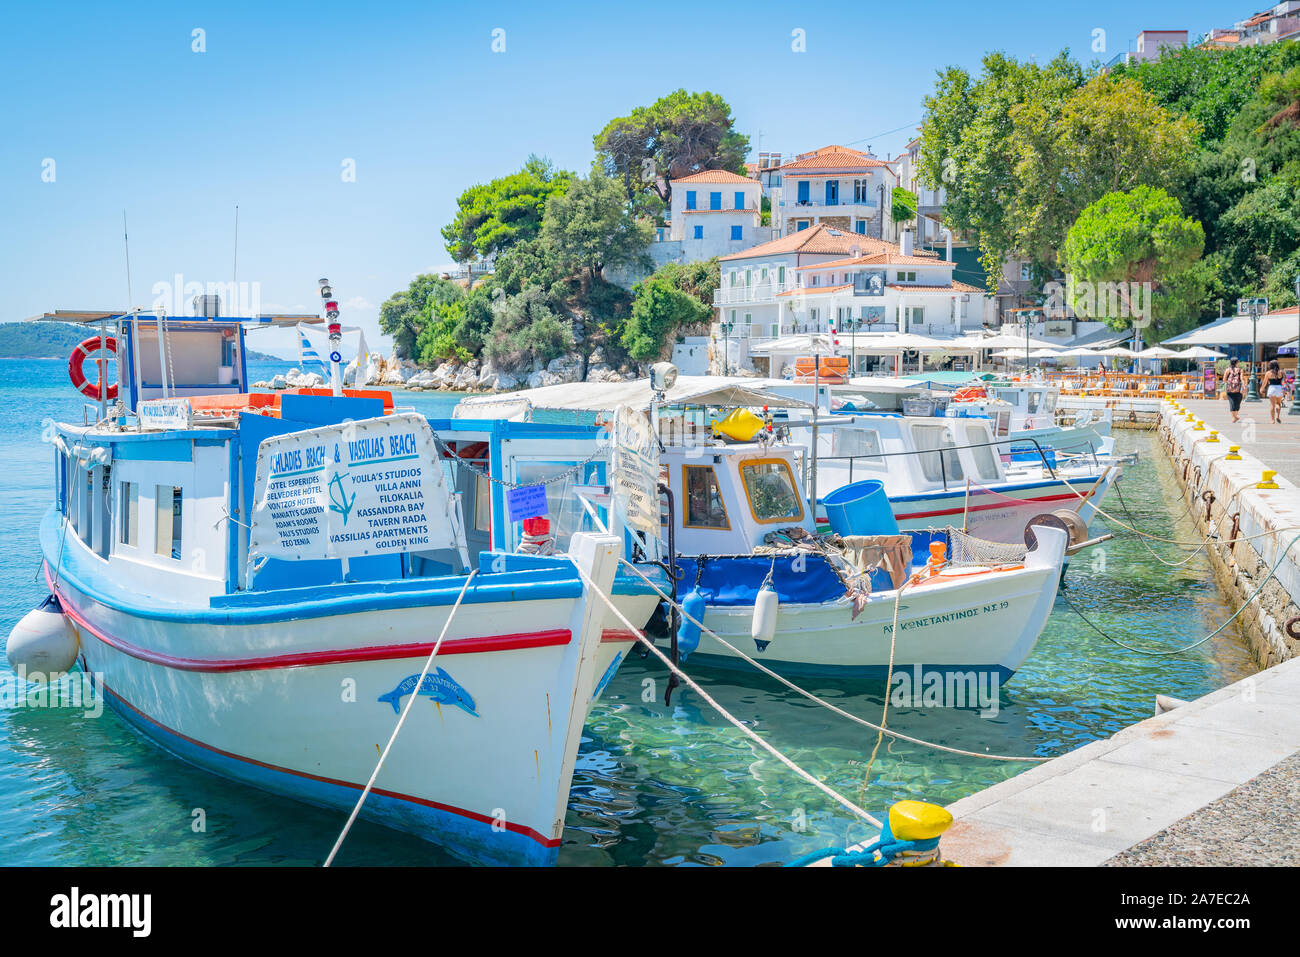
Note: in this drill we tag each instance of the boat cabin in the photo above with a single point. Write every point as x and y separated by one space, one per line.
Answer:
728 497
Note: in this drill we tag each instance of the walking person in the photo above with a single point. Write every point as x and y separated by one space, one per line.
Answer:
1232 387
1276 391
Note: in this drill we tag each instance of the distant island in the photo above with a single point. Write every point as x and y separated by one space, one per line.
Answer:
54 340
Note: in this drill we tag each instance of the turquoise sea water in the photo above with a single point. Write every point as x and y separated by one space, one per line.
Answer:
654 785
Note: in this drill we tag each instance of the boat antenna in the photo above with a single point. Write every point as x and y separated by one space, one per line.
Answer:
126 242
234 278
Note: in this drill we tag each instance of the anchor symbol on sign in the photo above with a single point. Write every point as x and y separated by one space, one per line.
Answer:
341 504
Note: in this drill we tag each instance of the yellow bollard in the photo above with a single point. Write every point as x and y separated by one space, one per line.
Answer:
1212 437
1267 481
1232 453
1199 427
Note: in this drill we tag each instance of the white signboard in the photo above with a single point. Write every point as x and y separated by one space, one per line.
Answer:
635 462
164 413
371 487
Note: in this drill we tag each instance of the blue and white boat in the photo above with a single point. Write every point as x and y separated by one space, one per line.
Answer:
256 582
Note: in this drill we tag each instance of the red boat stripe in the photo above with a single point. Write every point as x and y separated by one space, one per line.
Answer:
980 508
473 815
455 646
612 634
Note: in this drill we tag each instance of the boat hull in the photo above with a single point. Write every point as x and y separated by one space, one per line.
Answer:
985 623
303 703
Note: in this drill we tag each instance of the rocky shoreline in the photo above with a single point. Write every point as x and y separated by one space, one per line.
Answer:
473 376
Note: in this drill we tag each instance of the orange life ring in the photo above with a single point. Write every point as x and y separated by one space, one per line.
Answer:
970 393
92 390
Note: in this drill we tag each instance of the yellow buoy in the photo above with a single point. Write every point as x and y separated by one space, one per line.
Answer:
918 820
741 425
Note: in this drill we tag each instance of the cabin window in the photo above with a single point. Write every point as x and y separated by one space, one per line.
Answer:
704 505
933 441
986 466
129 513
1051 402
1034 399
863 444
1011 397
482 503
771 490
167 525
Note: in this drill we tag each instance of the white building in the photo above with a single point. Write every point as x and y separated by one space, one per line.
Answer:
807 280
834 186
714 213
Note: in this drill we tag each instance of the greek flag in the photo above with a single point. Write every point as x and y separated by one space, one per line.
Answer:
309 359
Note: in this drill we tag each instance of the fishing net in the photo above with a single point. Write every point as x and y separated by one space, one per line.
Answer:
964 549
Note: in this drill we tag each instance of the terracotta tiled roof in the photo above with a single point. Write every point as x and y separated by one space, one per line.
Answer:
814 290
715 176
817 239
886 257
833 157
955 287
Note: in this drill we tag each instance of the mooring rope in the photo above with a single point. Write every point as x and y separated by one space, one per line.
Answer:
1195 644
814 698
736 722
415 694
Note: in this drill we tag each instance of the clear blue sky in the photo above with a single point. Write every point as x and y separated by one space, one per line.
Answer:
413 93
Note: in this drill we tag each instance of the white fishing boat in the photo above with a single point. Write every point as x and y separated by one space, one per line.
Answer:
755 571
258 582
941 471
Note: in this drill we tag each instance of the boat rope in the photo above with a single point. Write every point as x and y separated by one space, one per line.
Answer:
1195 644
736 722
227 517
898 735
889 680
1147 545
415 694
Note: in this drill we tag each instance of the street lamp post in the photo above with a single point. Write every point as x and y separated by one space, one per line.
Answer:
1253 387
726 345
1295 382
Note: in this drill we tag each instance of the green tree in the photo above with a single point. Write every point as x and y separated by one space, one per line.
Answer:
968 143
404 314
493 216
1211 86
659 309
590 227
1108 135
678 134
526 329
1138 236
904 205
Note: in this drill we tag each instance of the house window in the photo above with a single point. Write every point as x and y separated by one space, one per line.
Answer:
735 232
704 505
129 513
748 276
735 277
740 200
804 192
907 277
167 511
715 201
1026 272
860 187
832 192
771 490
861 227
762 274
780 275
699 232
801 226
690 199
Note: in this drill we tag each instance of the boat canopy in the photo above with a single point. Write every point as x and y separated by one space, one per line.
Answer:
606 396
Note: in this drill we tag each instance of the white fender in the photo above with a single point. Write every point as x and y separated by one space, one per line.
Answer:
43 642
766 606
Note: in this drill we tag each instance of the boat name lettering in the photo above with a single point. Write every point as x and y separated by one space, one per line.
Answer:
947 617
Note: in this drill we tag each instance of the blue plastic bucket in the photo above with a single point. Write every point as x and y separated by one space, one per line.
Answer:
861 508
